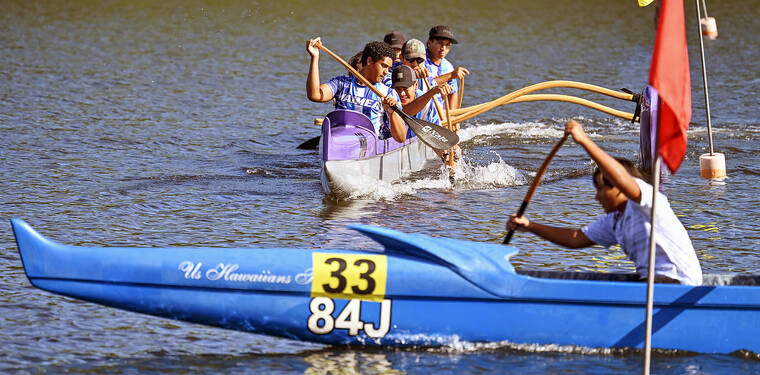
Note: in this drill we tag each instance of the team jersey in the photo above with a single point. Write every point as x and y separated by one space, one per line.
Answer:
674 254
437 70
348 94
429 113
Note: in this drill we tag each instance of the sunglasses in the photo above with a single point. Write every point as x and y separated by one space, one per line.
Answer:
418 60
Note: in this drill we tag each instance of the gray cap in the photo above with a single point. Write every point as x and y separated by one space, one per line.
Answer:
403 76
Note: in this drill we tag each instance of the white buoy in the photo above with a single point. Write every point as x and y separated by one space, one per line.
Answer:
709 27
712 166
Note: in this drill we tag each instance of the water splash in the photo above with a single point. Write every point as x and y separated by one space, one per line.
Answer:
530 130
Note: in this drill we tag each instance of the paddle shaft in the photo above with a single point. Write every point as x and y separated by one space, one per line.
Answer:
353 71
450 157
435 102
534 185
461 93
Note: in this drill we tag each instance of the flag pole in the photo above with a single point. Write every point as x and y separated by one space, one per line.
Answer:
650 274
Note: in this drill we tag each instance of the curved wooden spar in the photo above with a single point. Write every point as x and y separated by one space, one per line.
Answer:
463 114
559 98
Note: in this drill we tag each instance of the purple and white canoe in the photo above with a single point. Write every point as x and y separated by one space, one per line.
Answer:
351 154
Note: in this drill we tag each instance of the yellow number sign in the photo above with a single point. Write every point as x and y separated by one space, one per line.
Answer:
349 276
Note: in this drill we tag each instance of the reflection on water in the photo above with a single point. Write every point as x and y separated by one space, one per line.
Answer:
349 363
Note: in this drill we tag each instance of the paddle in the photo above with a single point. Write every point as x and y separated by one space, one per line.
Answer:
431 134
534 185
312 143
461 93
309 144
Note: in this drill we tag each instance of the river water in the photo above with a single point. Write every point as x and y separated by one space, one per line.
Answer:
175 123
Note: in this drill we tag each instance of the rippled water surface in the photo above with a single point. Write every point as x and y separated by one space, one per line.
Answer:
175 123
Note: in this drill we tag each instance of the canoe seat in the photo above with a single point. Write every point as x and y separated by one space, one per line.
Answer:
707 279
343 117
580 275
720 279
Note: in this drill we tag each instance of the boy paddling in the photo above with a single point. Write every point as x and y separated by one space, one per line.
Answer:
350 93
627 202
413 100
440 39
396 40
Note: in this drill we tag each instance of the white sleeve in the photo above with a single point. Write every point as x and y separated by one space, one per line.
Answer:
645 206
602 231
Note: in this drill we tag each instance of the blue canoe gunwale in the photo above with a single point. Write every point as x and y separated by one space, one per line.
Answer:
435 292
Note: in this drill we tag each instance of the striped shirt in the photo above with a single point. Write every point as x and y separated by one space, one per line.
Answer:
437 70
348 94
429 113
674 255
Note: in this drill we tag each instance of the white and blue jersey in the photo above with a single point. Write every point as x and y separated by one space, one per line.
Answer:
437 70
348 94
429 113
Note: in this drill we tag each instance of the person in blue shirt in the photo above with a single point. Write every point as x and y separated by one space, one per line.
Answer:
414 101
395 39
417 103
351 94
440 39
413 55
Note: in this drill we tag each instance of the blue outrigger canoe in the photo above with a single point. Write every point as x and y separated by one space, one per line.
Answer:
419 291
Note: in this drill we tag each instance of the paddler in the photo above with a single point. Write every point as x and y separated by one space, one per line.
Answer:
627 203
351 94
440 39
413 101
396 40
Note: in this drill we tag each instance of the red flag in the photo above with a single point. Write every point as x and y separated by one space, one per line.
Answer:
669 74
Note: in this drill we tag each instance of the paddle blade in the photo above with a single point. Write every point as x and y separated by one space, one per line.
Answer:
310 144
433 135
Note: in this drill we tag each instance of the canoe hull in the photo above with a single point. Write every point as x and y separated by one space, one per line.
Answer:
421 291
352 155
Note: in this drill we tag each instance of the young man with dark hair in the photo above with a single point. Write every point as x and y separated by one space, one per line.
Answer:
440 39
627 203
350 93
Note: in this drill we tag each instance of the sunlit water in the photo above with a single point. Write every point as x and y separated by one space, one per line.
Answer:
131 123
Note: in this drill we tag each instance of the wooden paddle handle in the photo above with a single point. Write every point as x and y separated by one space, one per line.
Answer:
461 92
352 70
435 102
534 185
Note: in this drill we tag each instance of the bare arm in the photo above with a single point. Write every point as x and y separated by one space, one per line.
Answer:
571 238
419 103
613 171
314 91
457 73
453 100
398 126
